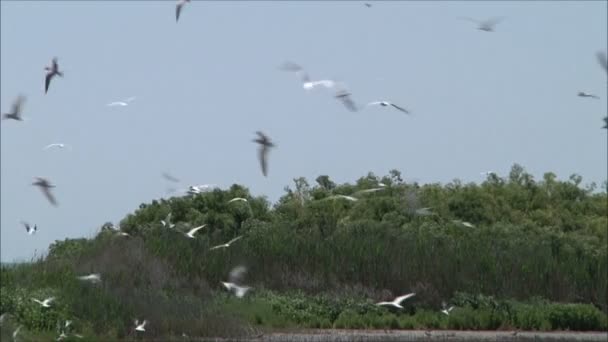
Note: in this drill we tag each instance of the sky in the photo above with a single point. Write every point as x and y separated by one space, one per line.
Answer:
479 101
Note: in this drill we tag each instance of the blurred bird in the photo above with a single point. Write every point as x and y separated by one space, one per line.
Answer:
350 198
16 332
121 103
178 8
15 113
192 231
59 145
170 178
167 221
227 244
140 327
397 301
265 146
307 84
51 72
344 96
605 122
601 58
45 186
236 274
238 199
93 278
485 25
45 303
29 229
583 94
239 291
447 311
386 103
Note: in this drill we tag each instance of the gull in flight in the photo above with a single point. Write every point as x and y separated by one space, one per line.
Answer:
197 189
140 327
385 104
307 84
45 303
59 145
167 221
237 199
583 94
15 113
170 178
178 8
45 186
344 96
227 244
485 25
265 145
464 223
397 301
93 278
51 71
447 311
29 229
349 198
192 231
121 103
601 58
239 291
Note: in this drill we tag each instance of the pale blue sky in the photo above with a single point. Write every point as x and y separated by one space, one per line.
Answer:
480 101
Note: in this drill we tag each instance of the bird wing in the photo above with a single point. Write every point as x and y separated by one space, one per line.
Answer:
348 102
194 230
374 103
601 58
55 66
218 246
47 81
49 195
235 239
17 104
178 10
400 108
400 299
27 226
262 154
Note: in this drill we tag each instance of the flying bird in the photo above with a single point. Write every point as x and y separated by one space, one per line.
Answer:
93 278
237 199
59 145
447 311
349 198
178 8
170 178
464 223
45 186
15 113
192 231
50 73
226 245
167 221
265 145
121 103
385 104
140 327
29 229
601 58
45 303
366 191
397 301
344 96
485 25
583 94
307 83
239 291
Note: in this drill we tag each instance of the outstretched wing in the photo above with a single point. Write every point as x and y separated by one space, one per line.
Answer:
400 108
601 58
47 81
262 155
178 10
49 195
400 299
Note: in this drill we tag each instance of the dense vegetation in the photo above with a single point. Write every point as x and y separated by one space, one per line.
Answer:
511 252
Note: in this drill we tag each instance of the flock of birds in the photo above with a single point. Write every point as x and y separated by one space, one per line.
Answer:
340 92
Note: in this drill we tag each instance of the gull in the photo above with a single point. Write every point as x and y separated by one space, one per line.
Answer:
167 221
170 178
583 94
601 58
386 103
464 223
397 301
447 311
227 244
118 231
343 95
350 198
190 234
485 25
178 8
238 199
121 103
50 73
45 187
29 229
307 84
239 291
16 332
140 327
265 145
197 189
93 278
59 145
45 303
15 113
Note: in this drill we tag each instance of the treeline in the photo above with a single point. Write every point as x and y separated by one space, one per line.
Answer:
512 238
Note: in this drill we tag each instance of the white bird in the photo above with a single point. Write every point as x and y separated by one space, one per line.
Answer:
485 25
192 231
29 229
464 223
45 303
307 83
239 291
238 199
16 332
59 145
350 198
167 221
93 278
583 94
197 189
447 311
397 301
385 104
140 327
67 323
227 244
121 103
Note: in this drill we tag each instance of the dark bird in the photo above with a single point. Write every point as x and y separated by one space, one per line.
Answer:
15 113
583 94
265 145
485 25
605 122
178 8
601 58
345 98
50 73
45 186
170 178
